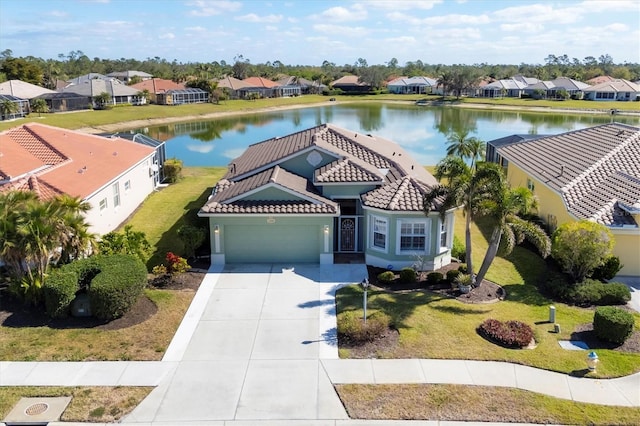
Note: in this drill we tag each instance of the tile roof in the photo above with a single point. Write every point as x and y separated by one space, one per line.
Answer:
348 80
409 81
231 83
599 79
95 87
343 170
259 82
404 194
157 85
21 89
72 162
569 83
617 85
595 170
42 189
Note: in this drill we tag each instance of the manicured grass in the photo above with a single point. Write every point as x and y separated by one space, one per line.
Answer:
165 210
142 342
88 404
475 403
434 326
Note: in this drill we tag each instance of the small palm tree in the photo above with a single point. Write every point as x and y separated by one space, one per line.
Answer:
39 105
7 108
460 144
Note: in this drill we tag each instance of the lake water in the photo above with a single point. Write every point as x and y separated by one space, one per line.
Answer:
419 130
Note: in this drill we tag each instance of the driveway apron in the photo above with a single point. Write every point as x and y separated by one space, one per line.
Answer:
255 351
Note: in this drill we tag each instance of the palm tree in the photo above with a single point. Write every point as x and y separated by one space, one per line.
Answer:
7 108
445 80
12 203
460 144
39 105
504 209
75 239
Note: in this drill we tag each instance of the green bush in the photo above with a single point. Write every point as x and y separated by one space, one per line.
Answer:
59 290
172 170
117 287
593 292
463 269
352 328
408 275
452 275
386 277
458 250
434 278
612 324
608 269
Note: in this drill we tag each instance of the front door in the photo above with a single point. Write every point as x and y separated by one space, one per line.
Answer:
347 234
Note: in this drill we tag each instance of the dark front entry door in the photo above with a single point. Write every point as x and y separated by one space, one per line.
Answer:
347 234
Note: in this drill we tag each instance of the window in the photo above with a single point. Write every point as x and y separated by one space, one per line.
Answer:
127 186
444 235
116 194
530 185
413 236
103 204
379 232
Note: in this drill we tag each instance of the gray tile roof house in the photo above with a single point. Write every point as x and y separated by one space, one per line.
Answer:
323 191
595 170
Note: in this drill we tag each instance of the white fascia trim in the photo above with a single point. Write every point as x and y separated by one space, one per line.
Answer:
277 186
393 212
377 182
283 215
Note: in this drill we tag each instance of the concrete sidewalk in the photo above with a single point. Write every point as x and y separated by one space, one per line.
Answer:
258 346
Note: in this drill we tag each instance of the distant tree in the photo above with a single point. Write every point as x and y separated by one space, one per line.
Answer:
39 105
7 108
241 67
20 69
134 80
102 100
373 76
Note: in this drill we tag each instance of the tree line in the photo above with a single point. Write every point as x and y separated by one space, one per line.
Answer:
46 72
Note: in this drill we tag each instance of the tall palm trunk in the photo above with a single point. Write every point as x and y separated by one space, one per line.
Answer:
490 255
467 239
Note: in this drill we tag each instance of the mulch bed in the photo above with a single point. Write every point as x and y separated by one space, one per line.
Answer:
14 313
584 333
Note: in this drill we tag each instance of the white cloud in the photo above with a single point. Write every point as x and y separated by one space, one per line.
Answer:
342 14
252 17
526 27
212 8
538 13
58 14
597 6
271 28
342 30
401 4
402 40
167 36
617 27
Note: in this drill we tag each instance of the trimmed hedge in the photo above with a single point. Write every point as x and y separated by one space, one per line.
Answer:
592 292
612 324
352 327
452 275
117 287
408 275
434 278
512 334
113 283
386 277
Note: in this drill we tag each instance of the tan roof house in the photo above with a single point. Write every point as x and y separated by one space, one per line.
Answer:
351 84
156 86
591 174
613 90
322 193
23 90
113 174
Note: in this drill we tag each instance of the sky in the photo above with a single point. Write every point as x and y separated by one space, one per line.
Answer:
308 32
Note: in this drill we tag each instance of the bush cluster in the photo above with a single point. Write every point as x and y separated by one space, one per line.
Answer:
386 277
512 334
612 324
608 269
352 327
434 278
586 293
176 264
408 275
62 285
452 275
458 250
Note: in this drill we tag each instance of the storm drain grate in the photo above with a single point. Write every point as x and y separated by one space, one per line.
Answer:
36 409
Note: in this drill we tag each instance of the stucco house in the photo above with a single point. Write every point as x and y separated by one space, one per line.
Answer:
591 174
119 92
322 193
350 84
127 76
157 86
503 88
613 90
114 175
412 85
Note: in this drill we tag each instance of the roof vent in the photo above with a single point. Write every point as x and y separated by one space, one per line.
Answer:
115 153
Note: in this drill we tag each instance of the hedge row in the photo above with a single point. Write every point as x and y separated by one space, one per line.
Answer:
612 324
113 284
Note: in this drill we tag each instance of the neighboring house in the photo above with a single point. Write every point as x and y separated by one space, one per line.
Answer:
66 101
159 146
231 86
113 175
22 107
600 79
23 90
325 192
157 86
591 174
350 84
503 88
526 80
119 92
126 76
573 87
305 86
259 86
412 85
614 90
492 154
540 89
189 95
88 77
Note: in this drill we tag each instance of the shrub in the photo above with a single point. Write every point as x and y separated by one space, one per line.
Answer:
463 269
593 292
608 269
172 170
452 275
192 237
386 277
512 334
612 324
176 264
159 270
458 250
59 290
352 327
127 242
434 278
408 275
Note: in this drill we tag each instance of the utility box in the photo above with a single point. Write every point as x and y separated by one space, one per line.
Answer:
81 306
552 314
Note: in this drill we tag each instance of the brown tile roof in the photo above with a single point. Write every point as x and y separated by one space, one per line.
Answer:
43 190
228 195
595 170
343 170
158 85
404 194
616 85
348 80
72 162
231 83
259 82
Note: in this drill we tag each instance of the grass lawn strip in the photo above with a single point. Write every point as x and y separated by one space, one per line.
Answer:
475 404
88 404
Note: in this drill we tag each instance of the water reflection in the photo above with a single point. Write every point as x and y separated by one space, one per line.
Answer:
420 130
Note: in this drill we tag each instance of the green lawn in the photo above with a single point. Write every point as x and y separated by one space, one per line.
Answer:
434 326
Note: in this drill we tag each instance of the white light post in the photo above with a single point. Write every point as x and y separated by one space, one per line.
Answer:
365 286
592 361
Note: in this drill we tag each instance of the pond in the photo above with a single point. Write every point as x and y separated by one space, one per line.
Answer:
422 131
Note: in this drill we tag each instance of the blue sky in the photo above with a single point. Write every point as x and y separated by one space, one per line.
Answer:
307 32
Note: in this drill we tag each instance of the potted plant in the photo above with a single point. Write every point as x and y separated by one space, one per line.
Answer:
464 282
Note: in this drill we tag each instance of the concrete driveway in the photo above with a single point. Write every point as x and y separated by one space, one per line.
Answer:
250 346
634 285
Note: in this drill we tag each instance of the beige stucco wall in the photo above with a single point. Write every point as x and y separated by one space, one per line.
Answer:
627 246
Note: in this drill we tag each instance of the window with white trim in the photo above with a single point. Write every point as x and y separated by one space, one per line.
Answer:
444 234
116 194
103 204
413 236
379 232
127 186
531 185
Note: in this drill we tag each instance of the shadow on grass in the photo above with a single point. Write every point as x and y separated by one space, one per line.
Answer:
169 241
398 306
459 310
